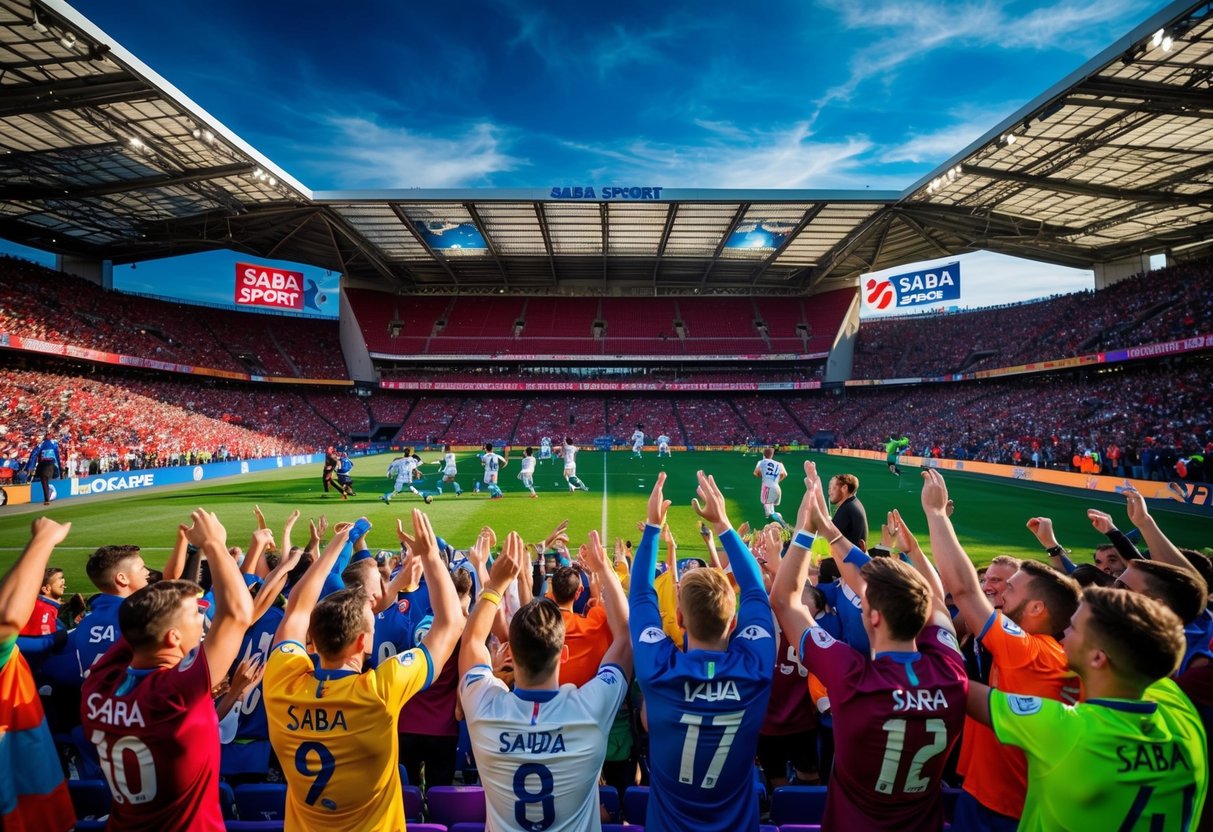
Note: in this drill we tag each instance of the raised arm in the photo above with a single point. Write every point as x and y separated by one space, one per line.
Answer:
448 615
271 586
849 557
1160 546
306 592
614 601
175 566
1042 528
233 603
263 540
472 650
788 587
643 598
710 506
908 545
1102 521
957 571
19 588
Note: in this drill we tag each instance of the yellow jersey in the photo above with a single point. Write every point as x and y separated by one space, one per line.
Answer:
334 732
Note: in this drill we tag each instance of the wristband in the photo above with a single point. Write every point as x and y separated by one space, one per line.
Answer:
803 539
490 596
1055 551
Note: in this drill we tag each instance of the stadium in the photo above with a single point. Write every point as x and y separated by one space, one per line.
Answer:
518 358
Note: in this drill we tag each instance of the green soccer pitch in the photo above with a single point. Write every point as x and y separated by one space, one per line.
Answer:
990 514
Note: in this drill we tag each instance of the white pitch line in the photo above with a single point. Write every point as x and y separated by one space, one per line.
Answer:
602 530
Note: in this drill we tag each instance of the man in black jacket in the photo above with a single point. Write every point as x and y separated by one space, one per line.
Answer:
850 518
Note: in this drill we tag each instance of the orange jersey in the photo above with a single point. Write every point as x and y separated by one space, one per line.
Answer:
1026 663
587 639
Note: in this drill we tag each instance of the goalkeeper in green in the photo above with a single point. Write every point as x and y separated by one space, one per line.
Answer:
893 449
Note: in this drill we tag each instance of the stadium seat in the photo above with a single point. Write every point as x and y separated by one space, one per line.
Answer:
798 804
635 803
768 827
414 805
428 827
227 801
608 798
93 825
800 827
621 827
467 827
91 798
950 797
450 805
253 826
261 801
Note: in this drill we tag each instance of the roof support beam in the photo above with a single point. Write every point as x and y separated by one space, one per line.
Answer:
470 207
547 240
1145 91
605 218
118 186
408 223
842 249
671 214
1070 186
84 92
724 241
809 216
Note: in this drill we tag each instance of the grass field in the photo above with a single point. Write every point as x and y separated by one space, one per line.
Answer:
990 515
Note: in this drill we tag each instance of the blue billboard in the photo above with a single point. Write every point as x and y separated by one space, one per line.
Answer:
931 285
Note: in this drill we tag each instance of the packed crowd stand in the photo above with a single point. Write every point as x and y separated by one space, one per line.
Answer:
838 674
1161 305
37 302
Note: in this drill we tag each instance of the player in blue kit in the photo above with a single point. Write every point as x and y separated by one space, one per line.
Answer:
706 705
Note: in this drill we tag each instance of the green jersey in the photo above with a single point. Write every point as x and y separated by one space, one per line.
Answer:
1108 763
894 446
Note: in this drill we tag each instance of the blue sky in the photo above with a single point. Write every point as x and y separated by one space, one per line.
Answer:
827 94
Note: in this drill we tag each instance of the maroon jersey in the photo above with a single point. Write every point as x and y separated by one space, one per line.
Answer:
158 739
896 718
789 710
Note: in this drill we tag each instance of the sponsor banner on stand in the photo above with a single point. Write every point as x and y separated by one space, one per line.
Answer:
597 386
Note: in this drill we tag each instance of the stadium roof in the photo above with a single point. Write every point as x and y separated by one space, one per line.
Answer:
104 158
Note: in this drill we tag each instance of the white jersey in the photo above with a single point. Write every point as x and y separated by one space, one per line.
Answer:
402 469
570 456
448 465
534 752
528 467
637 438
663 441
492 464
771 471
545 447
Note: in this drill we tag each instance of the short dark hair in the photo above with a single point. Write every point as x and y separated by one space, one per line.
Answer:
488 446
49 575
149 613
566 584
529 451
1060 593
1201 563
900 594
1144 639
1088 574
1179 589
358 572
463 582
337 620
537 637
828 571
104 564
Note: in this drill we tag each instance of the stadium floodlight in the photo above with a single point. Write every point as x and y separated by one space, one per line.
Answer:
1157 39
38 25
136 143
1167 43
68 40
209 136
196 133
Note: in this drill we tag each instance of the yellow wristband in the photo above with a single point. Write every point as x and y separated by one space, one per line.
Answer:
490 596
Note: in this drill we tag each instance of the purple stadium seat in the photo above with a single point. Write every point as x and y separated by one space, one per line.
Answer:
261 801
450 805
800 827
92 825
428 827
949 802
254 825
621 827
768 827
227 801
798 804
635 803
466 827
608 798
414 807
91 798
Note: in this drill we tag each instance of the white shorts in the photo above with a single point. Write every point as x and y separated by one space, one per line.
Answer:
527 479
663 449
771 495
490 477
401 482
637 448
570 471
449 472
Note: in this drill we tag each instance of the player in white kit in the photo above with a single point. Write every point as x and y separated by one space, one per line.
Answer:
663 445
638 441
545 449
772 474
527 474
402 468
493 463
449 470
539 747
569 452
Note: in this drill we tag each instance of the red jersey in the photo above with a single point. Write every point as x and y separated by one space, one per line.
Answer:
45 619
896 719
158 739
789 710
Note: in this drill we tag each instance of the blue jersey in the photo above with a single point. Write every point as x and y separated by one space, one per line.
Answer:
394 629
47 451
97 632
706 707
1197 634
257 642
345 465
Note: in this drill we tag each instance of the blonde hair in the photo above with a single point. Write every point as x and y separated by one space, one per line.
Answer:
707 602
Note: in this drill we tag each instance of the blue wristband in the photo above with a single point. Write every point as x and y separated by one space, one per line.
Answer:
803 539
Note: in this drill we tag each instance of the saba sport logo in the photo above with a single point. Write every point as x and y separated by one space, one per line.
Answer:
880 293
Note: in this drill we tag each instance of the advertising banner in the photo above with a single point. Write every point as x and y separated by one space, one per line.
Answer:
921 288
268 286
599 386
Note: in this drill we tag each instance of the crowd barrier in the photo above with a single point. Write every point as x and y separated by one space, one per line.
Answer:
1192 493
138 480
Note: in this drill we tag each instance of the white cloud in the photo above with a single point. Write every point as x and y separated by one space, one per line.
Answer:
364 153
731 157
936 146
915 29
